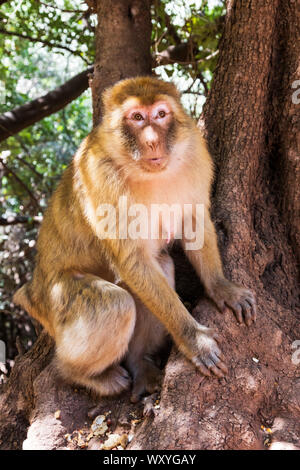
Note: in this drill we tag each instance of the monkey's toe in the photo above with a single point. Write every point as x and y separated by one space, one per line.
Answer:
244 310
147 381
114 381
211 361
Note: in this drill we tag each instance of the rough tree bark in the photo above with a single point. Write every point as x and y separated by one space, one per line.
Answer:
252 128
253 133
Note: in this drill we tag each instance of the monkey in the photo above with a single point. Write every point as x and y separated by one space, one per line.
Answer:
110 302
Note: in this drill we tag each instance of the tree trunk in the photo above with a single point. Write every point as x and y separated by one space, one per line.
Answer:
251 126
122 45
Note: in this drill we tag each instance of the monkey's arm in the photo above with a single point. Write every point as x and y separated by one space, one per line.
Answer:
144 277
208 265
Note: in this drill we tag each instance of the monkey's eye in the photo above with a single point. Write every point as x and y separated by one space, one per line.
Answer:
161 114
137 117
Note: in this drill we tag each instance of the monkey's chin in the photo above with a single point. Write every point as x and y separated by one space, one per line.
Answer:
154 164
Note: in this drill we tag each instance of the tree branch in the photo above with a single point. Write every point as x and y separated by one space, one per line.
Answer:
42 41
183 53
170 27
21 183
180 53
19 219
21 117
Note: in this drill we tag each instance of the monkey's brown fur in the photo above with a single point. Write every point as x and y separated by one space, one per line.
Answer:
111 300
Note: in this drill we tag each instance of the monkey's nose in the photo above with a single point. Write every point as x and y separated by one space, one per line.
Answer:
153 144
150 138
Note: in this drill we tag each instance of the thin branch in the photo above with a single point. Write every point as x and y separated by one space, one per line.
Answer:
173 54
181 54
21 117
192 93
21 183
170 27
20 347
42 41
203 82
26 163
19 219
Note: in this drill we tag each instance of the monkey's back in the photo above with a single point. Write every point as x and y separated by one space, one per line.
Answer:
65 244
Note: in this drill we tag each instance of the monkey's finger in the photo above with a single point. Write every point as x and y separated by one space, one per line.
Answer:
223 367
217 338
237 310
247 313
221 356
218 372
219 363
201 367
213 367
252 304
148 410
249 294
220 305
219 359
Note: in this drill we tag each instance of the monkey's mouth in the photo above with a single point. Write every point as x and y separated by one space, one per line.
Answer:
156 160
154 163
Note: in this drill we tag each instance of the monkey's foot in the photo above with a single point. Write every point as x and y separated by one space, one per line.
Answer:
239 299
149 402
147 380
113 381
203 351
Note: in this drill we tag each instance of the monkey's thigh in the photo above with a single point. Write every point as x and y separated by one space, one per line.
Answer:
93 330
148 338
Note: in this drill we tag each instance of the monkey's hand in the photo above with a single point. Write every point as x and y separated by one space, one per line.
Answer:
239 299
203 351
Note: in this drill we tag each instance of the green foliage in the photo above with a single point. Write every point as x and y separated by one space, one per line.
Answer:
200 25
28 69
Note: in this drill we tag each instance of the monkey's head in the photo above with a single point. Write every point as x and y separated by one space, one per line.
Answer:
146 123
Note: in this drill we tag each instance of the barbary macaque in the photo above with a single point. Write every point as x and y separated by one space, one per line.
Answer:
108 300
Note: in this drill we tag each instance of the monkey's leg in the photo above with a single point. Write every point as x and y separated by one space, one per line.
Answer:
148 338
94 323
208 265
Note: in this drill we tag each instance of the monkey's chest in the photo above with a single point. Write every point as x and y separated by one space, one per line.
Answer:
168 221
166 211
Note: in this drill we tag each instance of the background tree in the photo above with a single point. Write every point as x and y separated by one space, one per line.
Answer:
252 128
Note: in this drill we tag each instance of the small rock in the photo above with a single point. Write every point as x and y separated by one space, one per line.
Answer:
99 426
114 440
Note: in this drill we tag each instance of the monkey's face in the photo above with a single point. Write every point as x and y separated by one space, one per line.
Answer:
149 133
